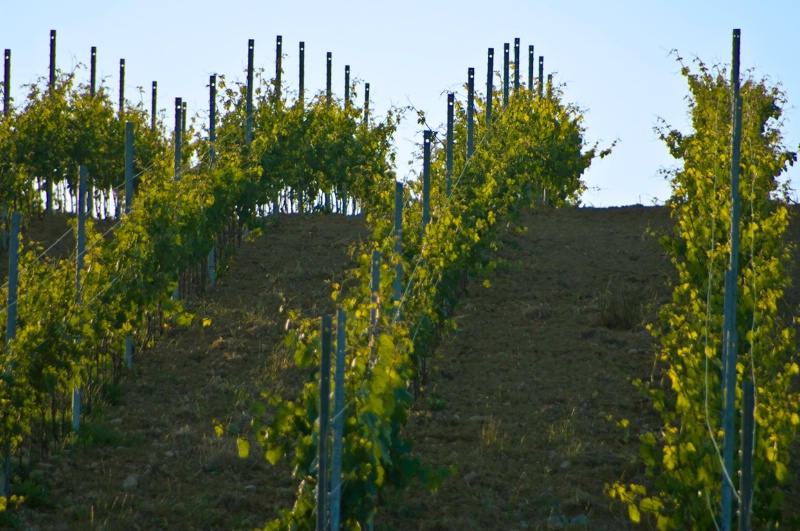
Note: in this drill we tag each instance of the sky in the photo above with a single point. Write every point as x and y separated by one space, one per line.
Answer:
615 58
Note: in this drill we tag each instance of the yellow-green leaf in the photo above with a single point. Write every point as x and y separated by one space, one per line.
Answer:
244 447
633 514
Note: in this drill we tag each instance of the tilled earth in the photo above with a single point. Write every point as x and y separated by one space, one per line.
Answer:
524 402
157 461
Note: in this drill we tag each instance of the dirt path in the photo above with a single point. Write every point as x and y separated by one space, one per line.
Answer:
520 400
161 437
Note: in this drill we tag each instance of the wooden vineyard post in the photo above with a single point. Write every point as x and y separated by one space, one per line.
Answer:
541 75
346 86
470 112
489 86
516 66
730 340
153 108
11 333
324 415
506 78
81 252
302 88
530 67
278 67
398 247
549 86
426 179
449 149
248 131
366 103
338 421
328 88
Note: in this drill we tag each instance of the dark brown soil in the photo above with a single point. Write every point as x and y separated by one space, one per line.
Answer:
523 401
163 432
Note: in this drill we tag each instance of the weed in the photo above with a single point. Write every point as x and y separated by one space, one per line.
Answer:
492 436
436 402
620 307
34 492
97 434
112 394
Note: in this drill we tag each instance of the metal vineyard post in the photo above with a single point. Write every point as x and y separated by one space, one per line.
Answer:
328 89
489 86
52 59
302 73
178 140
449 153
730 341
375 293
52 85
278 67
93 72
81 252
398 246
338 421
121 88
470 112
541 75
426 179
11 333
505 74
346 86
324 414
248 124
530 67
128 166
366 105
516 66
212 155
7 83
153 109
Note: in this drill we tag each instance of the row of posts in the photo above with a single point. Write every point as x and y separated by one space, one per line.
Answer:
153 113
13 286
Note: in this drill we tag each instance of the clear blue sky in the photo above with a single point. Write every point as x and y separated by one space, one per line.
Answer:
613 56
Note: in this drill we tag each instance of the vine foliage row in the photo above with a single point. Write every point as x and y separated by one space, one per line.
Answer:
314 155
683 459
534 148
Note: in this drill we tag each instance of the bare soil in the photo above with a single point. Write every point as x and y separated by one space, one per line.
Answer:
523 402
163 431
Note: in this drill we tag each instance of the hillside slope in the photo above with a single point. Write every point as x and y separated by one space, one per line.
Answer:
523 402
527 401
154 460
